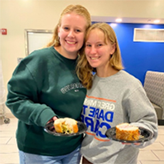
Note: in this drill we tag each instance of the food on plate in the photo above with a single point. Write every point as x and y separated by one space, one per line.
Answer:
66 125
126 131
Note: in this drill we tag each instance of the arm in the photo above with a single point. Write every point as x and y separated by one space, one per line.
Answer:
141 113
23 97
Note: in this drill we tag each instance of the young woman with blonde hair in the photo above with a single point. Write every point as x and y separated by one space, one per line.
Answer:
113 97
44 87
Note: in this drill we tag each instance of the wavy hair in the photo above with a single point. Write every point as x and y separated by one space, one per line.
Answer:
78 9
84 70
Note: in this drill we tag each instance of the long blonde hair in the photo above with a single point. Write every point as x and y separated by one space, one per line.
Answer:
84 70
78 9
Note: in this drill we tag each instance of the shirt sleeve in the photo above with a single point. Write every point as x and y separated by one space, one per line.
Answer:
141 113
22 98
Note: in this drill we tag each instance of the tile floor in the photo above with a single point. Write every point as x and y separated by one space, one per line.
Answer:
153 154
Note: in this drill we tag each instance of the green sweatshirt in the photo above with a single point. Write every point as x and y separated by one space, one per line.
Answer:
44 85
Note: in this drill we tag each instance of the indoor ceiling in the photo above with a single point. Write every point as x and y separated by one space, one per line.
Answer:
158 7
126 20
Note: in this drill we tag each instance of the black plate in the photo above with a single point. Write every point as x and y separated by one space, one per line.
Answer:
145 135
49 128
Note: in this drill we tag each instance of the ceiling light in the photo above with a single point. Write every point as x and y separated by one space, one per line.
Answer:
113 25
156 21
118 20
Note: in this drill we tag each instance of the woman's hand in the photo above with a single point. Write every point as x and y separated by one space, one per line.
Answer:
131 143
52 119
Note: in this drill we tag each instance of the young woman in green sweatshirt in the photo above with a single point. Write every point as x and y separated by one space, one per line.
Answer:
44 87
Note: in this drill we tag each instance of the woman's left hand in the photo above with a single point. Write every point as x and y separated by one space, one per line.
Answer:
137 144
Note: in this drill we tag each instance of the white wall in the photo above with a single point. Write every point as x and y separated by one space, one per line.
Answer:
18 15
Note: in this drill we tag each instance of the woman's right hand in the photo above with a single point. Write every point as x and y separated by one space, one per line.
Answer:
52 119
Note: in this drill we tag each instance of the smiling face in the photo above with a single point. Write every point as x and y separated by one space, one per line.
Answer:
98 52
71 33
